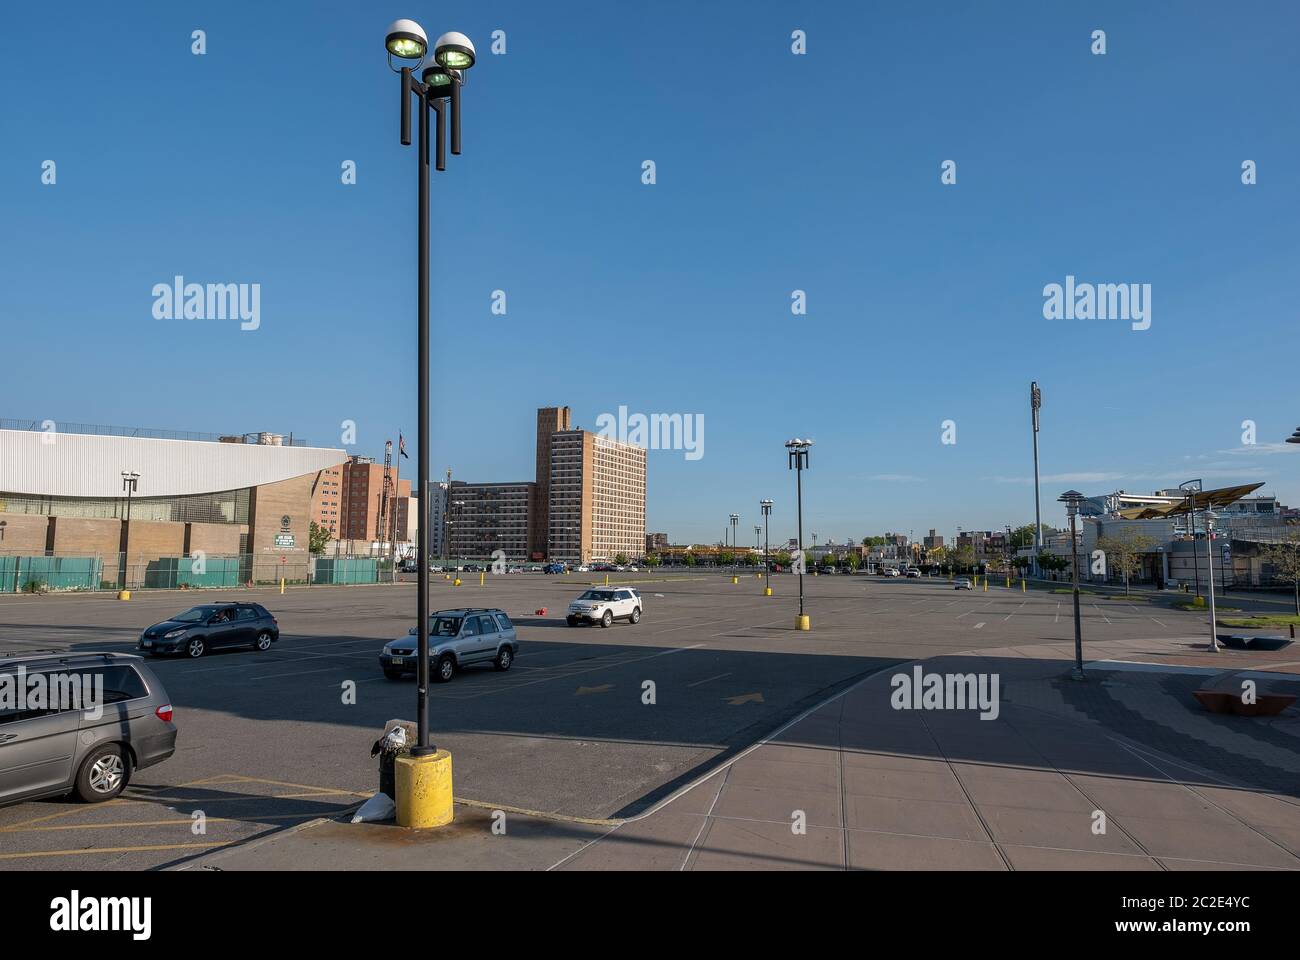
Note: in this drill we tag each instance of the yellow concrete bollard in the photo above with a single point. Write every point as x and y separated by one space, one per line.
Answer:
124 594
802 622
986 584
1022 585
735 580
607 579
456 582
446 576
767 591
482 578
423 787
282 586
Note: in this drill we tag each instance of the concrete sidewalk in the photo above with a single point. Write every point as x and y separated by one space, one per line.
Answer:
1123 771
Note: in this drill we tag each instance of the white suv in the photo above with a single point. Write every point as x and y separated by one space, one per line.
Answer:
604 605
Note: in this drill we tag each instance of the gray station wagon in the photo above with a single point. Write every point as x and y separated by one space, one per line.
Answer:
79 723
457 639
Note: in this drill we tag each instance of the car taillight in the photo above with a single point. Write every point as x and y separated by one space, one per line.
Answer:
164 713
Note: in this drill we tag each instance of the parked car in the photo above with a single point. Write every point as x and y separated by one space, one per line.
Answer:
604 605
583 568
553 568
913 574
92 753
211 626
963 583
457 639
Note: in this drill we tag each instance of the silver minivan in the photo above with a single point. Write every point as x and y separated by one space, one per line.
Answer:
79 723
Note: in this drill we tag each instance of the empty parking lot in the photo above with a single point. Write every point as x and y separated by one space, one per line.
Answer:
589 722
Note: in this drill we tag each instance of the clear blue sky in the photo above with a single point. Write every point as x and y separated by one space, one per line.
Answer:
775 172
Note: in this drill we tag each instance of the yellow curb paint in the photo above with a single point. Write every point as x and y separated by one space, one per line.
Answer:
424 796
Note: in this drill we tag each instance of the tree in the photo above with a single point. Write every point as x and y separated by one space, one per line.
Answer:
726 558
652 560
1124 552
1051 562
1285 560
963 557
318 537
852 561
620 559
782 559
689 559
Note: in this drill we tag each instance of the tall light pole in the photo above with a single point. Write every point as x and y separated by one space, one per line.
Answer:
797 460
735 518
129 479
1072 499
766 507
1035 404
440 80
1193 500
1295 437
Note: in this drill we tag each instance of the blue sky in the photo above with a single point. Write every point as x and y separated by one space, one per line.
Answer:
775 172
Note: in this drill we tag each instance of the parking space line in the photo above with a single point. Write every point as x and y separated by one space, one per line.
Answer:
88 851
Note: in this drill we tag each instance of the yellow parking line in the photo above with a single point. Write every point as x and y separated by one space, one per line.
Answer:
300 786
82 851
152 823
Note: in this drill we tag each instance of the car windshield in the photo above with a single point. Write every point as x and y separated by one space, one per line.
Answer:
195 615
441 627
604 596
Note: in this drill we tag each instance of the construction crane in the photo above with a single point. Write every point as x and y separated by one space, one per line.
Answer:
382 521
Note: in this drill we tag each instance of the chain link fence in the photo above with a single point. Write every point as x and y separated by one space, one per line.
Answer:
47 573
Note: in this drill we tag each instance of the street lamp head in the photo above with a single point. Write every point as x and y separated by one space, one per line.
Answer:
438 79
454 51
406 40
1295 437
1072 499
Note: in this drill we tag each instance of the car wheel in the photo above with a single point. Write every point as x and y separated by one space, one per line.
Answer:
102 776
607 618
263 641
393 674
505 657
445 669
636 615
572 621
196 648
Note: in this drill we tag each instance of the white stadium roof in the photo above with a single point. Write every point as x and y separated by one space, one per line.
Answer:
35 463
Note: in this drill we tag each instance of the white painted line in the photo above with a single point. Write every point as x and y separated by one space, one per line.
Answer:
979 625
718 677
1103 616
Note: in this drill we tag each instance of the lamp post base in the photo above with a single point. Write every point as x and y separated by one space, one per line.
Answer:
802 621
424 795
